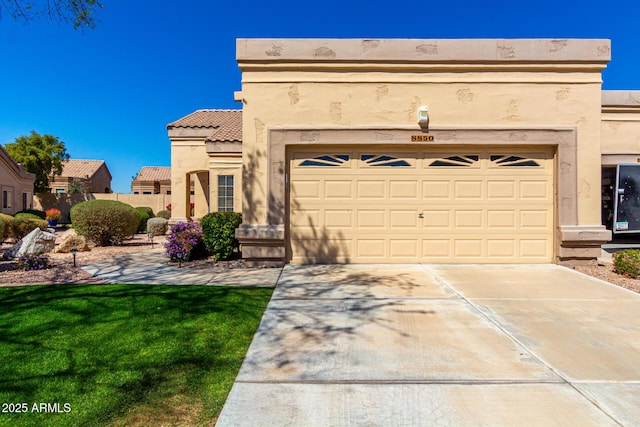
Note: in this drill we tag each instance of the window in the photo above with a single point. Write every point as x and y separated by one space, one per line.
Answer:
59 190
225 193
7 199
146 192
25 201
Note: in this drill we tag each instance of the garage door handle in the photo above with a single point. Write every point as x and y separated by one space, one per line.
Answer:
420 215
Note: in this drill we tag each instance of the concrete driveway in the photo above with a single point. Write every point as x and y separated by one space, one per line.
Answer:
421 345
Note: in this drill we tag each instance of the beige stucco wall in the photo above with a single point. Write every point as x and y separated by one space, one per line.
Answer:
377 84
17 185
620 129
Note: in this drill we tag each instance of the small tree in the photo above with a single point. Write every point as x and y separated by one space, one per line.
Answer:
78 186
42 155
79 13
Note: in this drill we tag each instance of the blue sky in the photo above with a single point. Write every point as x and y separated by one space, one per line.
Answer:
109 93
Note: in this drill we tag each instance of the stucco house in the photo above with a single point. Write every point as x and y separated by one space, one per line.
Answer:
152 180
206 163
397 150
93 173
16 185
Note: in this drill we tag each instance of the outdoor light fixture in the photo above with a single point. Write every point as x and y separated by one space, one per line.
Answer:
423 118
73 251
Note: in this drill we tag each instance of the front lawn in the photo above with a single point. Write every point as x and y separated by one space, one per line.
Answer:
122 354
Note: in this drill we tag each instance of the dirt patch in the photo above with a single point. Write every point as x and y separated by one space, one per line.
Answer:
606 273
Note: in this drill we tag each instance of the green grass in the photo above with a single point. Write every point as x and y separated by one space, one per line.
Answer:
123 354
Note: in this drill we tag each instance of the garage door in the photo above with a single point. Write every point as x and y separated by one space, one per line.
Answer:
369 205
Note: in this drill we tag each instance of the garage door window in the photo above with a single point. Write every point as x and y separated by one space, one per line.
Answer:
456 161
511 161
379 160
327 160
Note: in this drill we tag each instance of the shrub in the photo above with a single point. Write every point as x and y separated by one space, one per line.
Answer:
38 213
144 217
20 227
105 222
157 226
627 262
7 219
21 215
148 210
185 242
33 262
164 214
3 225
218 230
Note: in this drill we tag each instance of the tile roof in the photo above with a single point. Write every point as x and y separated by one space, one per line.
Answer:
226 124
154 173
80 168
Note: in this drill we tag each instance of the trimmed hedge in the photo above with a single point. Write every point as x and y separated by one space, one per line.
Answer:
20 227
627 262
7 219
20 215
164 214
157 226
144 217
3 225
218 233
38 213
105 222
147 209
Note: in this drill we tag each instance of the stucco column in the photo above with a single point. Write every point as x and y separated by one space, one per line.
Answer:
179 196
201 194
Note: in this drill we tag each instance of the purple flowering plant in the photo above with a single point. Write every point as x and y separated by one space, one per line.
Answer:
33 262
184 240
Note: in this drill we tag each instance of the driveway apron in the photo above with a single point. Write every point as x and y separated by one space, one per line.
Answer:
441 345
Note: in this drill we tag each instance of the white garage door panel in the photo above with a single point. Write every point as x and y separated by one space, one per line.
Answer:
376 205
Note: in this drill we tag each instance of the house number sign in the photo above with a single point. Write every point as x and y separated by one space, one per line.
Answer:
422 138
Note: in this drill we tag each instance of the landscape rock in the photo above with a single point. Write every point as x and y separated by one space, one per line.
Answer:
36 242
70 240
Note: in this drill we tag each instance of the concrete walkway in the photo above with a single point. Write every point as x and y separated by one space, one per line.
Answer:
150 267
414 345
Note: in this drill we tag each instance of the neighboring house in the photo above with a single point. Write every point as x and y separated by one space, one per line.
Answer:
152 180
16 185
94 175
208 144
338 166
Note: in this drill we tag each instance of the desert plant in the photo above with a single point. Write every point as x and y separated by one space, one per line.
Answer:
627 262
20 227
38 213
185 242
105 222
53 214
24 215
157 226
7 219
218 233
164 214
148 210
144 217
32 262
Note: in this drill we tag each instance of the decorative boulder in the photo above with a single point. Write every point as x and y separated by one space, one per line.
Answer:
70 240
36 242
